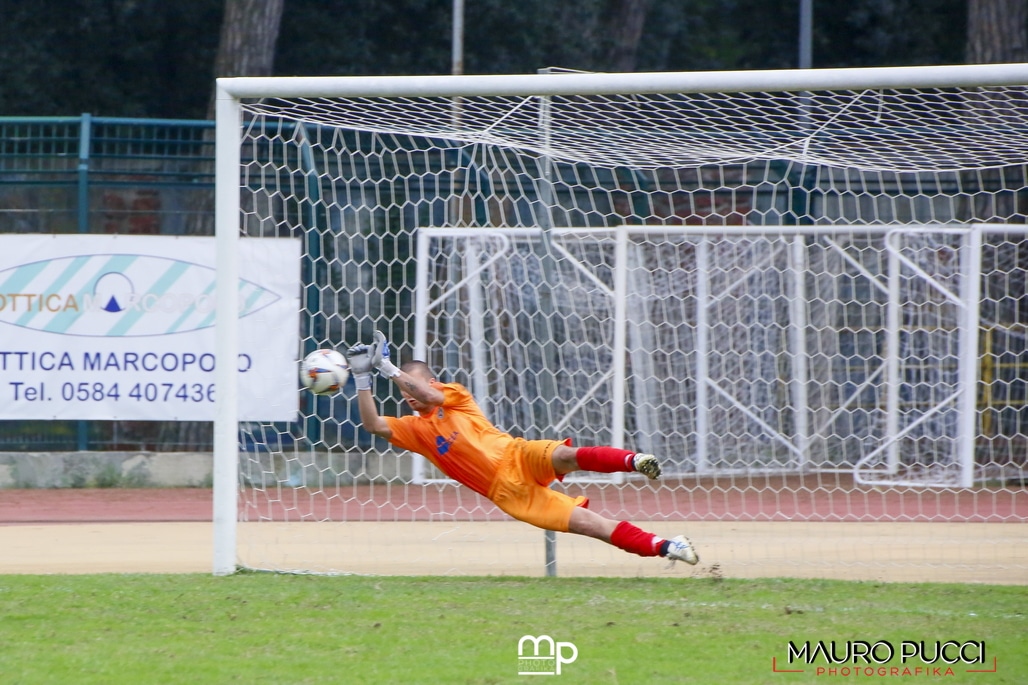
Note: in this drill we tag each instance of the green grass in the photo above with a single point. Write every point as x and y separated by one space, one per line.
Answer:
260 628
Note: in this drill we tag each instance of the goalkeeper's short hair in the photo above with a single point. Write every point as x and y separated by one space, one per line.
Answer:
417 365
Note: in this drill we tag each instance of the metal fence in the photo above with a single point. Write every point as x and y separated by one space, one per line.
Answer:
108 175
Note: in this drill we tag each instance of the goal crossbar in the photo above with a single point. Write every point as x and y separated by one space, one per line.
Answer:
949 76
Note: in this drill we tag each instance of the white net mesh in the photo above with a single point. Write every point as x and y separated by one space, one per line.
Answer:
872 130
771 291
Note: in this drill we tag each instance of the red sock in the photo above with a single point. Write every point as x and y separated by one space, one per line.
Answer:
604 459
635 540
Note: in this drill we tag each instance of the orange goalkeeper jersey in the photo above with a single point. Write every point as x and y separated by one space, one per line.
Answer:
456 436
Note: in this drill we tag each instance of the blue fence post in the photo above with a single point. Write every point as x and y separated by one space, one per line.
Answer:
85 129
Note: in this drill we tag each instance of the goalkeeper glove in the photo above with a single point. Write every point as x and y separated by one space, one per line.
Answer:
359 359
380 357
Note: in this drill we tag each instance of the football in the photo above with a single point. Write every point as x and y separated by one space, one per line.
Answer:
323 372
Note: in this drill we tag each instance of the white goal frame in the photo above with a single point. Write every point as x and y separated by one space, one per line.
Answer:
232 91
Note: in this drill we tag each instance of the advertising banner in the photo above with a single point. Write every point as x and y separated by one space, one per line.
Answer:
122 327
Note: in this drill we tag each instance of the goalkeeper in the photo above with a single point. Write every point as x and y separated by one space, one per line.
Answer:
451 431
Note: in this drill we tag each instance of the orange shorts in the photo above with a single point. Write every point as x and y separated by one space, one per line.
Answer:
522 486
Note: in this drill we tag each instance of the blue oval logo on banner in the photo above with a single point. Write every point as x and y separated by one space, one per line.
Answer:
117 295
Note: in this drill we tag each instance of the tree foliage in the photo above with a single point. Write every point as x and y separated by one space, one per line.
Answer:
153 58
147 58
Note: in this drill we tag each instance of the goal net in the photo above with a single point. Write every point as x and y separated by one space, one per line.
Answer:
806 292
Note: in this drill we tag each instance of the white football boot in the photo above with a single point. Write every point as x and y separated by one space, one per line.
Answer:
681 549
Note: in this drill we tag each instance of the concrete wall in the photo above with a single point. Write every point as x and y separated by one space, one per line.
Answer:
193 469
104 469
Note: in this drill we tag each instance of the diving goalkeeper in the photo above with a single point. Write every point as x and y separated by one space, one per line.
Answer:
450 430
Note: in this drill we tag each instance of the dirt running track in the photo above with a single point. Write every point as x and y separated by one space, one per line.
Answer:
129 531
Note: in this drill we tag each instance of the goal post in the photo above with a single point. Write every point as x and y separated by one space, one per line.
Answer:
804 290
225 471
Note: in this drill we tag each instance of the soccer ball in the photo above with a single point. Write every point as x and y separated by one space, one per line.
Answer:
323 372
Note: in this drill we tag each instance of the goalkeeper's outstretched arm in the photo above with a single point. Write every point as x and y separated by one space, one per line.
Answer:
415 382
359 358
370 418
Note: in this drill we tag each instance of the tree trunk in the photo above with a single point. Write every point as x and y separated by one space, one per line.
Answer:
249 32
996 31
622 27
